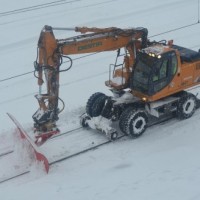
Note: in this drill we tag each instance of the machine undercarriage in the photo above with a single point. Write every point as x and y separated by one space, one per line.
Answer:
129 115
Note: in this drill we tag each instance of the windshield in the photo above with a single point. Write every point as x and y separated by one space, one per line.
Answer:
152 74
141 73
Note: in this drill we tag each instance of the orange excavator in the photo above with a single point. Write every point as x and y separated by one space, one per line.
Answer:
153 80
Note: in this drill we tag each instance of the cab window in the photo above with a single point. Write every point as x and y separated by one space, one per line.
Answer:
160 70
160 75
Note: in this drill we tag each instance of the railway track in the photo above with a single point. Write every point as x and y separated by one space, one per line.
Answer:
6 153
20 174
64 158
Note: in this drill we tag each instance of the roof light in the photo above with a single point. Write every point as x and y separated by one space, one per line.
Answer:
144 99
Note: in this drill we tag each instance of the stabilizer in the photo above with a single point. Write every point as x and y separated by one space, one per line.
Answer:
39 156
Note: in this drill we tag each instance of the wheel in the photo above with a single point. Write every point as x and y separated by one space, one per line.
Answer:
137 123
107 110
83 120
98 106
116 113
91 101
113 136
123 120
186 106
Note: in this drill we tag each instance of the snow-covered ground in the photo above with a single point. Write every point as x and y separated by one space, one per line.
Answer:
162 164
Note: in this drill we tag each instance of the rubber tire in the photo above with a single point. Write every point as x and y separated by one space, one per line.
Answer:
83 120
113 136
98 105
107 111
91 101
123 120
186 106
137 123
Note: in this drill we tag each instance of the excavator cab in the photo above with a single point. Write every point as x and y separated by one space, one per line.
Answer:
154 70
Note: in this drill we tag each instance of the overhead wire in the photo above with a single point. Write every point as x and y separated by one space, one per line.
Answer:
87 55
175 29
46 5
36 7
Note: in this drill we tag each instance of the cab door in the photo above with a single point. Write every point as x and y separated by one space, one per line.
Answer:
175 78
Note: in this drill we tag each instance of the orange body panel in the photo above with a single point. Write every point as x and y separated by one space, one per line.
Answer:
96 45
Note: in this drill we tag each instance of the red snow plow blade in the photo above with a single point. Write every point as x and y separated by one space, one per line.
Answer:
39 156
41 139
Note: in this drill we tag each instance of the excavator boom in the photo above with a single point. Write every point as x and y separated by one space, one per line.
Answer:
51 52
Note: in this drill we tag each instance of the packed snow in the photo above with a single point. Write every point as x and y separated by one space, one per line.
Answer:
162 164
